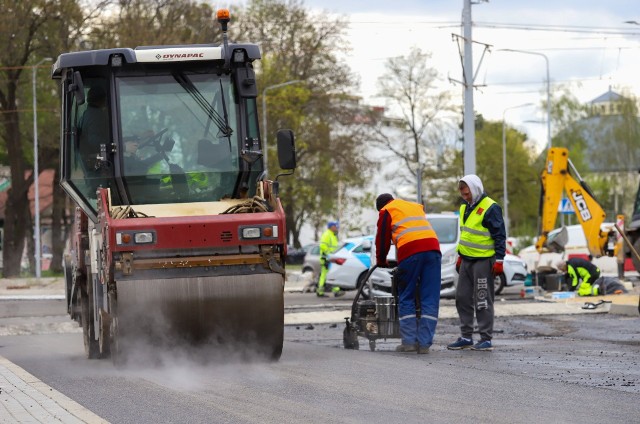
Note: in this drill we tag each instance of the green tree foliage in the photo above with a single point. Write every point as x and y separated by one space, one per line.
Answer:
133 23
523 187
299 45
29 31
567 115
604 147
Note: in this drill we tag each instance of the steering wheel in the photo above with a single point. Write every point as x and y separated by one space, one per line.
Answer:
153 139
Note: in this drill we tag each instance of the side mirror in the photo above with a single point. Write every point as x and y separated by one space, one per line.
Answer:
286 149
77 88
366 245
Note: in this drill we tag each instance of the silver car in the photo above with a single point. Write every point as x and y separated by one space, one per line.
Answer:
447 228
311 261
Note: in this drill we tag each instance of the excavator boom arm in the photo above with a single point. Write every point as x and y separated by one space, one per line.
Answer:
557 179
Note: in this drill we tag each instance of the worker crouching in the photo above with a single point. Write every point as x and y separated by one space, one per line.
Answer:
418 275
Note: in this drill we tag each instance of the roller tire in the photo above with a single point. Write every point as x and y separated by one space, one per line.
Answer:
91 345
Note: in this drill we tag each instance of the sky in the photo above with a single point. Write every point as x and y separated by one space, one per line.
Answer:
587 43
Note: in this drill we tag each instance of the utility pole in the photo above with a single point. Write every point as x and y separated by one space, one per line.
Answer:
469 123
468 78
36 171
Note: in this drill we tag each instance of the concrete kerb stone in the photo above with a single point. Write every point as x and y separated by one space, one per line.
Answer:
53 287
27 399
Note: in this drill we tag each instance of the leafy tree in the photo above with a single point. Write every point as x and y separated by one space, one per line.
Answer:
299 45
604 148
523 188
567 116
135 23
28 31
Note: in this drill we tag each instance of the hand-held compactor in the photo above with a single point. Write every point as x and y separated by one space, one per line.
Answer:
372 319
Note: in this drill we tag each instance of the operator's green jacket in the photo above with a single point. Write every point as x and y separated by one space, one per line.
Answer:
583 275
328 244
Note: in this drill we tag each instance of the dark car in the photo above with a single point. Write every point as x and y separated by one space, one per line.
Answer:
295 256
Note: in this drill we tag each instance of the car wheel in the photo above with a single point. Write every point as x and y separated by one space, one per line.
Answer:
499 281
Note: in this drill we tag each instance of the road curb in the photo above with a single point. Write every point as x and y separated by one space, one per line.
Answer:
28 399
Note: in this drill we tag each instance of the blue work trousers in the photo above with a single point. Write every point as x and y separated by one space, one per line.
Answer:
419 272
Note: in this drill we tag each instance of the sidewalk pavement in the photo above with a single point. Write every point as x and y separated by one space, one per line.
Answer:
25 399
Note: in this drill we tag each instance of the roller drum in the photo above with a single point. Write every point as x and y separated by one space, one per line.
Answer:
244 313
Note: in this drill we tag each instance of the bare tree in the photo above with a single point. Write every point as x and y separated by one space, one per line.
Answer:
298 44
422 126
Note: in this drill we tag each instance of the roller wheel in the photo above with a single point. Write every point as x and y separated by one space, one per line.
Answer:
91 345
104 339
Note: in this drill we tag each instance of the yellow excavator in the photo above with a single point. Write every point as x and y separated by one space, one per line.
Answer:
560 176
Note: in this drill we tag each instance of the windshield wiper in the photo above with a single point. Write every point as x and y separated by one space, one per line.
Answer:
222 122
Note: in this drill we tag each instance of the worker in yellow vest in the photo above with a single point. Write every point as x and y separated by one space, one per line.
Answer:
419 268
328 245
481 251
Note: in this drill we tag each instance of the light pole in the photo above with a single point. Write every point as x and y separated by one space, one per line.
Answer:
264 118
546 59
504 165
36 182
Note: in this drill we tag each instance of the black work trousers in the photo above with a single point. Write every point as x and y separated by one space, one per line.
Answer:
474 296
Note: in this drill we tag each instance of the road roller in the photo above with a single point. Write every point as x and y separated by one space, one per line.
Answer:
179 235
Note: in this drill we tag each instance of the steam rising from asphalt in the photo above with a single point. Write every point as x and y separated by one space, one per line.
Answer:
192 367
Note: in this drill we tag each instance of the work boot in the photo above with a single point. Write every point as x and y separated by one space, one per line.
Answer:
319 294
338 293
423 350
406 348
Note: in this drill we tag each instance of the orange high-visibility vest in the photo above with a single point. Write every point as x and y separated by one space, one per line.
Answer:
408 222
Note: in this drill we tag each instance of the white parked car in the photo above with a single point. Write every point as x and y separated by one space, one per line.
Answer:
447 228
349 264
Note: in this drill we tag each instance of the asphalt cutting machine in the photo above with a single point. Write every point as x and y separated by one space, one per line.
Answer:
372 319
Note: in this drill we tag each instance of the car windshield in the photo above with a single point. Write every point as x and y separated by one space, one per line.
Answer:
446 229
179 137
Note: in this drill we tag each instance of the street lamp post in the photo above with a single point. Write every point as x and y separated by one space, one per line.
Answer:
36 182
264 118
504 165
546 59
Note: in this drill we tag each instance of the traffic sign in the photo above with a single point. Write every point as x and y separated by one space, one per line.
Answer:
565 207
